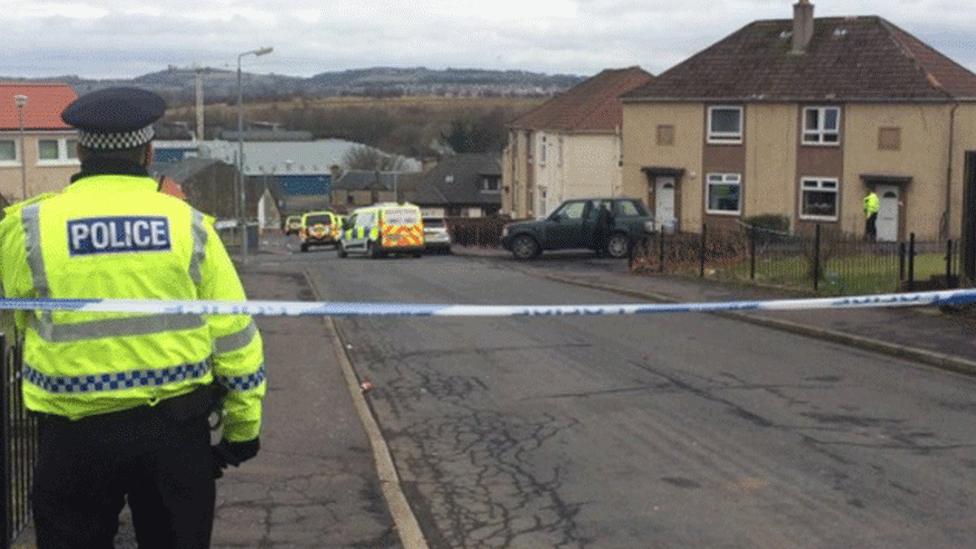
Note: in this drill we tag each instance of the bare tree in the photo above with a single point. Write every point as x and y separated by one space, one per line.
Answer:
368 158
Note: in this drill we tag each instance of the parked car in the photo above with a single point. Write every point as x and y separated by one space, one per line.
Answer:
292 224
436 237
573 226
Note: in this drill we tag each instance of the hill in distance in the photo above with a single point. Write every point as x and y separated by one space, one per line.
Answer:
177 84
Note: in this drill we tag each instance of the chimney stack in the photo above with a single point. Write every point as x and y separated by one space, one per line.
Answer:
802 25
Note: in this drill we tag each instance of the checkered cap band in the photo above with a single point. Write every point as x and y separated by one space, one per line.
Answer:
115 141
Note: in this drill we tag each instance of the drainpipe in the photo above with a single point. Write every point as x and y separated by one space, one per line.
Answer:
946 214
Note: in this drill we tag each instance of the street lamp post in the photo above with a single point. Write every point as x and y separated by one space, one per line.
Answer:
21 101
242 213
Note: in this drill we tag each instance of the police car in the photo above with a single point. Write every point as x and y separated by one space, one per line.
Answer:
318 229
292 224
381 229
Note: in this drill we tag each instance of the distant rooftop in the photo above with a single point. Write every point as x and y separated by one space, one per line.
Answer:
268 135
43 109
592 105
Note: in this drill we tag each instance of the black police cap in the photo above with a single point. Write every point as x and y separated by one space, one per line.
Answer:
115 118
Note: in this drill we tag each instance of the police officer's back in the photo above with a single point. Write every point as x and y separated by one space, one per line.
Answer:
123 399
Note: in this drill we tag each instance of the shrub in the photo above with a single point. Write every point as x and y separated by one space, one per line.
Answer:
769 222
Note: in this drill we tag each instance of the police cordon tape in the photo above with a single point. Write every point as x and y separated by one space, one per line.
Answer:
348 309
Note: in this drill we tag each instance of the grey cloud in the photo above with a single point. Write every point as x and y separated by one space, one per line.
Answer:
348 33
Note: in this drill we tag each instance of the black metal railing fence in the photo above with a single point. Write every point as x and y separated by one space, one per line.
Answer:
822 260
19 436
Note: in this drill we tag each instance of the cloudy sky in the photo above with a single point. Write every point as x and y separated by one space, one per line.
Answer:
125 38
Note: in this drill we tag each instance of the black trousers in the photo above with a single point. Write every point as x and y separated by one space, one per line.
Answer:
157 458
871 227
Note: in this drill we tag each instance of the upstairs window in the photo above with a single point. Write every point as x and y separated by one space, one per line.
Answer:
665 135
821 126
725 125
889 139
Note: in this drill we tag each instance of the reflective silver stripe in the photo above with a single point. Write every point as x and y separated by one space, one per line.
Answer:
236 341
32 244
113 327
199 246
244 383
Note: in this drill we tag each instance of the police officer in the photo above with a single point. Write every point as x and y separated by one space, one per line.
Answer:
872 205
123 400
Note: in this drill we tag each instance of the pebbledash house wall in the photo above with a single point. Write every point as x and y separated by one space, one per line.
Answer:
772 160
44 176
575 165
592 166
517 192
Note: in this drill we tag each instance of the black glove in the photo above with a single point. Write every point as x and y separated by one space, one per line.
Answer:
233 453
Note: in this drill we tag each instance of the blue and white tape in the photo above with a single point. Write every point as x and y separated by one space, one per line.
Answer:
344 309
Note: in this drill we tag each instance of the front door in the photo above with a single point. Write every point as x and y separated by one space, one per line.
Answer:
890 196
664 204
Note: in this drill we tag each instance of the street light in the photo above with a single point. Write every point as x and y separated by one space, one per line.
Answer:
240 146
21 101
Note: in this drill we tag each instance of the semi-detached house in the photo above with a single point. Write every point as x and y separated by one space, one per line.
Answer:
48 157
800 118
568 147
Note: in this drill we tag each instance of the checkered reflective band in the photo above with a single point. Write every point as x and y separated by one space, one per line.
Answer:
115 141
243 383
116 381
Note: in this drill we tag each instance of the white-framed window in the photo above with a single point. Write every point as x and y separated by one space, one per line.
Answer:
57 151
9 152
543 153
819 198
821 125
725 125
491 185
724 195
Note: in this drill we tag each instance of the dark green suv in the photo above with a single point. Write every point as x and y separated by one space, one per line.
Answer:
573 225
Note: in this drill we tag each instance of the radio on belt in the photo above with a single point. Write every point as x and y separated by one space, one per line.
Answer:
106 235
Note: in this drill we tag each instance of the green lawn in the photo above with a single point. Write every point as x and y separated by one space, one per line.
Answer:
847 275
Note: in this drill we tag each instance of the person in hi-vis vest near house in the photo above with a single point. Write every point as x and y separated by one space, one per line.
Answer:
872 205
123 400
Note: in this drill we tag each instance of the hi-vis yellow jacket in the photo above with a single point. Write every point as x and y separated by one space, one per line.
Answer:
115 236
872 204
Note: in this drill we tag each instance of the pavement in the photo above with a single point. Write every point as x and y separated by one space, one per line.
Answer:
314 483
943 338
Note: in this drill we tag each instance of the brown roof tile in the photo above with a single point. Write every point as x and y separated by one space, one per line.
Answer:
592 105
848 58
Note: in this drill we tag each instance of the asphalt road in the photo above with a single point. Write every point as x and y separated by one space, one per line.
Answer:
677 431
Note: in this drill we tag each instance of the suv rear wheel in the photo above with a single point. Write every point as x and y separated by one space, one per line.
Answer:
618 245
525 247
